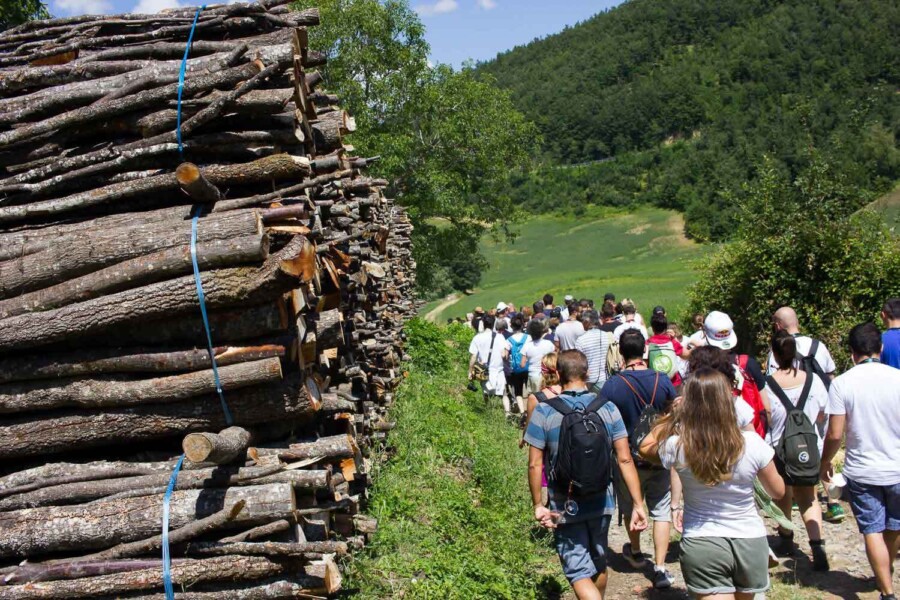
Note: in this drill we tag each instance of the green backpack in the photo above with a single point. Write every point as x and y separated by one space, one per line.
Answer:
662 359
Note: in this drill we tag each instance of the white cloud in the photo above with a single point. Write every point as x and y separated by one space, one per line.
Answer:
438 8
148 7
82 7
487 4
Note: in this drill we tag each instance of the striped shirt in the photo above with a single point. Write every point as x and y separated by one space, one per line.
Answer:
594 344
543 433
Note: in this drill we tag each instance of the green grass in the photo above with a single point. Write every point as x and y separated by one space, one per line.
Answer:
889 208
452 503
640 255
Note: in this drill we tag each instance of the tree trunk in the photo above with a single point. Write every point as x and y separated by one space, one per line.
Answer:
223 288
70 256
129 360
136 272
69 430
219 448
35 531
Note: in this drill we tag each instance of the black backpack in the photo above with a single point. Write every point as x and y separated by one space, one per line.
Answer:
583 465
648 417
811 365
798 449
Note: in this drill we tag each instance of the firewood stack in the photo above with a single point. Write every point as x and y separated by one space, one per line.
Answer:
105 376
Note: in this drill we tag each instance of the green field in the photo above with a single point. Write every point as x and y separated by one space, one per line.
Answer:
639 254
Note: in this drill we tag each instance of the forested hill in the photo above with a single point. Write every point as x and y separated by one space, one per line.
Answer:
688 95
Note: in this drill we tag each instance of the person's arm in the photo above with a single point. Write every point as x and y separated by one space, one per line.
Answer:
542 514
632 482
833 438
472 358
677 500
771 481
649 449
529 408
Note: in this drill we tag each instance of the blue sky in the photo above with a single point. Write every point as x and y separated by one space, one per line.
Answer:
456 29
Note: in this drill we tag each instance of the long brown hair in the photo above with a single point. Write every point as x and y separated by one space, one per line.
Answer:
706 424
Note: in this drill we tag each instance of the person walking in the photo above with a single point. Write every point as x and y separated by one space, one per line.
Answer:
710 357
629 321
580 522
568 333
486 349
724 551
864 403
640 394
795 390
594 344
890 339
534 351
514 349
663 350
608 320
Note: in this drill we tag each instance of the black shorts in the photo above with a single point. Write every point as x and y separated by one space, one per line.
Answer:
779 466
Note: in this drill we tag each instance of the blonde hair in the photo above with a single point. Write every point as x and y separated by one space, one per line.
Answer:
675 328
706 424
549 373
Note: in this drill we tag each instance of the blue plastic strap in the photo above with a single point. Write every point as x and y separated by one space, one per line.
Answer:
202 297
181 74
166 558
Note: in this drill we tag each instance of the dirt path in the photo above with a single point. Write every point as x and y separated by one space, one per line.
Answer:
445 303
794 579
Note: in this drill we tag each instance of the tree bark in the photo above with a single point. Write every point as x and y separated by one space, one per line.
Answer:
258 533
70 430
64 472
74 255
136 272
176 297
116 392
35 531
219 448
296 587
287 549
195 185
128 360
336 446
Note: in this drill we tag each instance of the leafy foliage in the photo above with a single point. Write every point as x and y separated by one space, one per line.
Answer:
16 12
446 139
687 95
804 244
452 504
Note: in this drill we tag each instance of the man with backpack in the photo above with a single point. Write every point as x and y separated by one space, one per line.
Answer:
865 402
486 360
641 395
513 352
573 438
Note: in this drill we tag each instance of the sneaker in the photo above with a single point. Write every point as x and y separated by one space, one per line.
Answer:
835 513
638 560
820 558
773 560
888 597
785 545
662 579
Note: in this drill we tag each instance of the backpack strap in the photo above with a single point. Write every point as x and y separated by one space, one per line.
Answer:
597 404
636 393
779 392
813 349
559 405
491 351
541 397
804 395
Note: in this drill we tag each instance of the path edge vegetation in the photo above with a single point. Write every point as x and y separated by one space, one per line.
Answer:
450 491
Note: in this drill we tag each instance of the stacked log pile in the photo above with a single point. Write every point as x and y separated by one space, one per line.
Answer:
105 376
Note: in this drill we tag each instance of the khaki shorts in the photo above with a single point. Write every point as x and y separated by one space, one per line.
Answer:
533 385
656 487
716 565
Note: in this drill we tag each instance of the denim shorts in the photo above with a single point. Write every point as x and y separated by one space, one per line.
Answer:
582 547
876 507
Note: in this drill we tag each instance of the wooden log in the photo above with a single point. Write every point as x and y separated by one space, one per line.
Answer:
219 448
128 360
185 574
64 472
36 531
335 446
68 430
74 255
195 185
329 330
259 532
296 587
115 392
287 549
140 271
223 288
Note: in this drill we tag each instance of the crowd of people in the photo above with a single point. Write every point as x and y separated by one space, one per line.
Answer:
622 412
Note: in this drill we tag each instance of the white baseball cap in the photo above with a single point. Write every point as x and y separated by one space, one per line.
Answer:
569 298
501 306
719 330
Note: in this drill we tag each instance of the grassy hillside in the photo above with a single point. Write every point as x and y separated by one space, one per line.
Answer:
641 254
687 96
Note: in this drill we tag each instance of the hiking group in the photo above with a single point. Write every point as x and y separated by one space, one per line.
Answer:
615 415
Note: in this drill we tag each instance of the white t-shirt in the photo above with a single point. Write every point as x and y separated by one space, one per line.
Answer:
697 339
869 395
745 414
567 333
728 508
630 325
815 404
804 345
535 352
481 345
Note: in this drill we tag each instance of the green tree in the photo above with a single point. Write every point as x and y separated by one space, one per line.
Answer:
16 12
447 140
808 244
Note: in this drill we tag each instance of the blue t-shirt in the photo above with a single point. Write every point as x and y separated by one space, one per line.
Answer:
543 433
630 407
890 354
